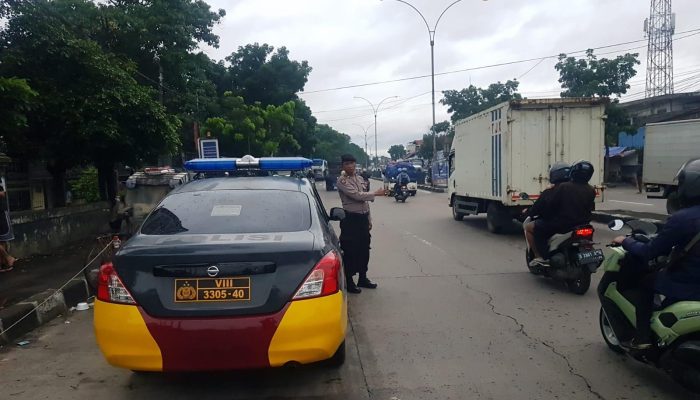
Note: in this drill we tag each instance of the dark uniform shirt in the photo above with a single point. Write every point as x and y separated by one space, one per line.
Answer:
571 204
684 282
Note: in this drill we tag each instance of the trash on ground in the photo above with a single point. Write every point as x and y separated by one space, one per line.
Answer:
23 343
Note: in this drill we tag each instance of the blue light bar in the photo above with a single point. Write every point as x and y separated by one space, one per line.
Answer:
284 163
248 162
211 164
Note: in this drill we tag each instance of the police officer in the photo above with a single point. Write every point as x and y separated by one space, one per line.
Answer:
354 229
679 281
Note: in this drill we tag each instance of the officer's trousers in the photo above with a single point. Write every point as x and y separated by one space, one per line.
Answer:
355 242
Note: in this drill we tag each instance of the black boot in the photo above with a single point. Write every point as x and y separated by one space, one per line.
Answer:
365 282
351 287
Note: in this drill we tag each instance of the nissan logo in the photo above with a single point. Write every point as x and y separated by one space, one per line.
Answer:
213 271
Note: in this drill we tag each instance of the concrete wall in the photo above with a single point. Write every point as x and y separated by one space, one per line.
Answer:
41 232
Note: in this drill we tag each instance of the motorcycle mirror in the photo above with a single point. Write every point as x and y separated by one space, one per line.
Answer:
616 225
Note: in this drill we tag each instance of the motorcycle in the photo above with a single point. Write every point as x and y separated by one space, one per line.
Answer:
675 325
401 194
572 258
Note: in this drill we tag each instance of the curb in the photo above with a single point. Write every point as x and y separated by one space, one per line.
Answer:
431 188
604 218
40 309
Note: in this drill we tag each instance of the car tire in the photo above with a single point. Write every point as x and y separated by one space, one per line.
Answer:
338 358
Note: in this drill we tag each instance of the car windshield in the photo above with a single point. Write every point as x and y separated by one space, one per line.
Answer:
230 211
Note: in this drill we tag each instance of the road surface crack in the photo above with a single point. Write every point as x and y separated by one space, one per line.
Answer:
521 330
359 357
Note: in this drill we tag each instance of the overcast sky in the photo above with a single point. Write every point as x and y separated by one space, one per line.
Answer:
351 42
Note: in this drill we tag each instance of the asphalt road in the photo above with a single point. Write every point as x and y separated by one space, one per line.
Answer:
625 197
456 316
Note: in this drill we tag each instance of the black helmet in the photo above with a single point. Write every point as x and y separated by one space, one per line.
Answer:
582 172
559 172
689 182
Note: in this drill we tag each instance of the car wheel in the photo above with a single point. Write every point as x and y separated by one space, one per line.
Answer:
338 358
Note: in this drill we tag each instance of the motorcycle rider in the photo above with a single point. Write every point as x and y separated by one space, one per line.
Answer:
537 239
401 179
571 204
680 281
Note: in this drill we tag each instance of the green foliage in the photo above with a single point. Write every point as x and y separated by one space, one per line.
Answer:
86 187
471 100
618 120
16 100
91 107
333 144
94 68
397 151
260 74
445 133
596 77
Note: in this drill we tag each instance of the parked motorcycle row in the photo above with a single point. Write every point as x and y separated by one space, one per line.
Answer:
676 325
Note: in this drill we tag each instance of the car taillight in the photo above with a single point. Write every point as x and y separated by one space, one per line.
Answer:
323 280
110 288
584 232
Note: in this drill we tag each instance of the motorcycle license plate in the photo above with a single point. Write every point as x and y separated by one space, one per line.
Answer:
590 257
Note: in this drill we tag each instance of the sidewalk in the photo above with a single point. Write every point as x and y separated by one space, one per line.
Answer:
35 282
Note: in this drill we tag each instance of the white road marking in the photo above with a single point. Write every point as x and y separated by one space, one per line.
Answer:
425 191
630 202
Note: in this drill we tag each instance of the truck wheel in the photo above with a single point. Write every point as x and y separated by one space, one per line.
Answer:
495 217
458 216
672 203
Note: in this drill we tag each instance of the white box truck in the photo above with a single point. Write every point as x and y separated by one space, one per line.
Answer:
500 158
667 146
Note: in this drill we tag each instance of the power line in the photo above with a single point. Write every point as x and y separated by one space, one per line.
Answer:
697 31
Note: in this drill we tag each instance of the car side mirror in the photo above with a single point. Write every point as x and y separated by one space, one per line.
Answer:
337 214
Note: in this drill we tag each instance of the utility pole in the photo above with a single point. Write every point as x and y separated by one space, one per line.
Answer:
366 151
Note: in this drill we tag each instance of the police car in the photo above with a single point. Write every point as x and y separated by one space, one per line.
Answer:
227 273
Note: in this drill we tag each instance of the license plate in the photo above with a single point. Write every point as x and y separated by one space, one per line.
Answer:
589 257
201 290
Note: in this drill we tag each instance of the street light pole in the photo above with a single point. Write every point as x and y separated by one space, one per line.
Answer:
366 151
375 110
431 35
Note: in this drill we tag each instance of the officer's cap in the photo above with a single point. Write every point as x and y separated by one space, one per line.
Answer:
347 158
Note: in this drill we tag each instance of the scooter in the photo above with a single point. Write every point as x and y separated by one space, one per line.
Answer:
401 194
675 325
572 258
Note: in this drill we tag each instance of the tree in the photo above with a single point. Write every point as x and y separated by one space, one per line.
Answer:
471 100
16 100
333 144
397 151
261 74
593 77
444 132
90 109
253 129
